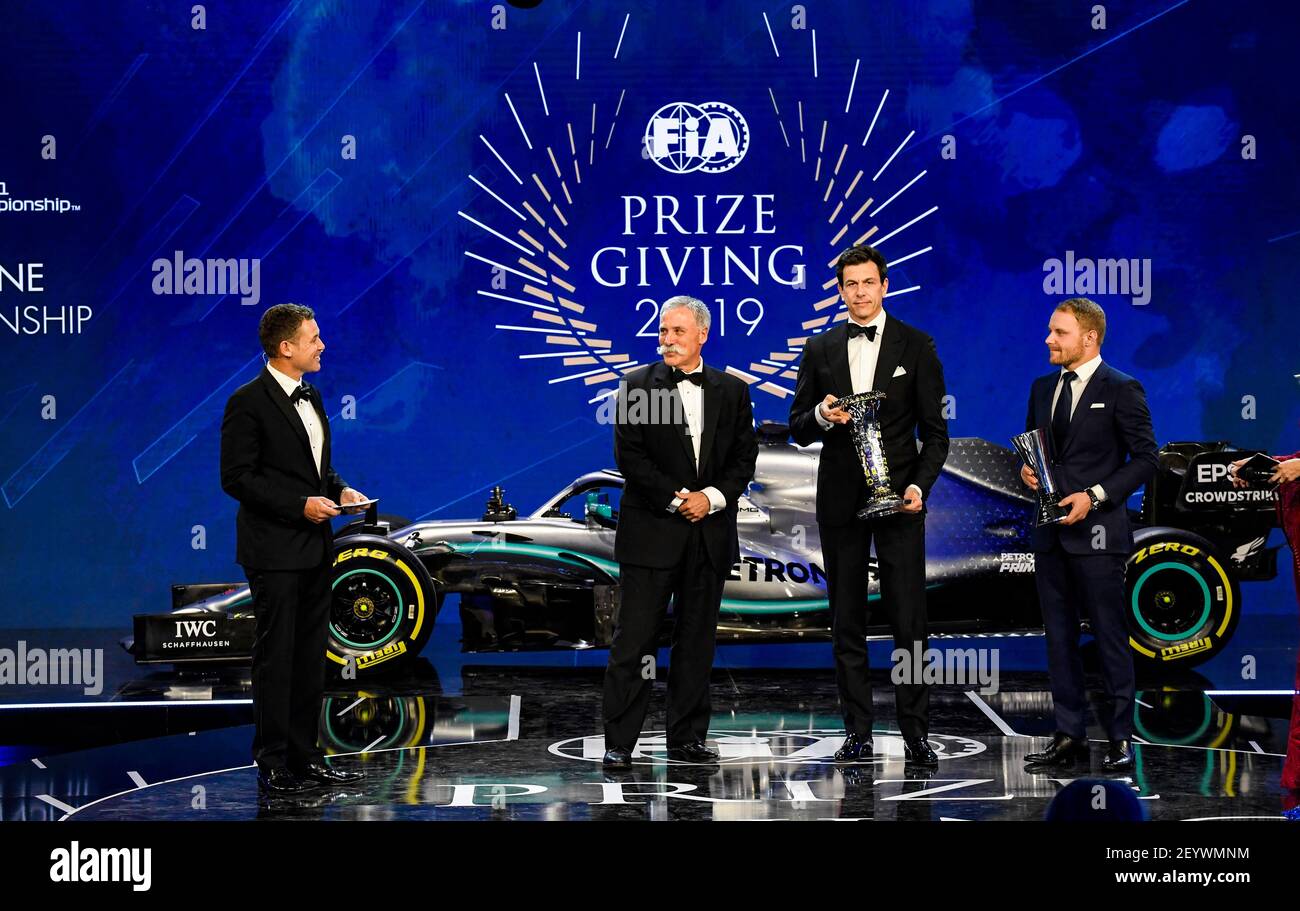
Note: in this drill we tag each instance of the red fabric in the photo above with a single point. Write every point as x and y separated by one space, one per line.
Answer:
1288 513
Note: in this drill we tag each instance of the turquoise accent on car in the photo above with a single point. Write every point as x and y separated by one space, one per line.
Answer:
531 550
729 605
1171 637
782 606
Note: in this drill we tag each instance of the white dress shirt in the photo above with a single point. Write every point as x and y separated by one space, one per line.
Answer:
310 420
692 397
1082 374
864 353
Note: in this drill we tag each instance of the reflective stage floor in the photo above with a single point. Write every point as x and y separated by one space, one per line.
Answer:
472 738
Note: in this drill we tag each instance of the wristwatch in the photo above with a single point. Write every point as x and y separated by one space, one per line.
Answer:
1092 495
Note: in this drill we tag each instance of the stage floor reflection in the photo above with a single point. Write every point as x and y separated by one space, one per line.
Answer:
522 743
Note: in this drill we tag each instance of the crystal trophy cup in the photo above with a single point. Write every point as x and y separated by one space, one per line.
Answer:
1035 449
865 428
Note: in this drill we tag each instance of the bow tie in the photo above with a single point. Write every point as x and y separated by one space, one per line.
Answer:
302 393
855 330
697 377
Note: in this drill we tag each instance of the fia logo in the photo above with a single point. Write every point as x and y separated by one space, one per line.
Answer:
710 137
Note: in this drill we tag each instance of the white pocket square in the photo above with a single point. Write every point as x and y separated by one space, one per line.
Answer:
900 370
1098 405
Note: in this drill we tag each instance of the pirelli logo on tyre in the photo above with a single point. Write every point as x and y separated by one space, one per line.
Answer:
1186 649
387 653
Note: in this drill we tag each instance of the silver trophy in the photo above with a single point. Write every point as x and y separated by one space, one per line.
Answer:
865 427
1035 449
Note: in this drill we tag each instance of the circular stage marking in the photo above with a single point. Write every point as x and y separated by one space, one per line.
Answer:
817 745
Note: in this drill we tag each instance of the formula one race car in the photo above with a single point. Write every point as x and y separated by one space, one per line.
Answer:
549 581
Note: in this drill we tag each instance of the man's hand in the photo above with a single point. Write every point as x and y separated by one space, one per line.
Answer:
912 499
1027 475
351 496
1080 505
834 415
318 509
1286 471
695 505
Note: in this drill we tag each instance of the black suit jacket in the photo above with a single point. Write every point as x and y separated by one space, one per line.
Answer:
657 459
266 464
912 409
1111 443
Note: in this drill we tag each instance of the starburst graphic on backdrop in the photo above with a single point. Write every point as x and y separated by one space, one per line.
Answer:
536 251
853 211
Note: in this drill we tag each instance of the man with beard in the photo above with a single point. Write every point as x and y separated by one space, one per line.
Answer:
1104 449
873 350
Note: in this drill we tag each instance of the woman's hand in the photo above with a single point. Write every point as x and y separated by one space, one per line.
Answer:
1237 480
1286 471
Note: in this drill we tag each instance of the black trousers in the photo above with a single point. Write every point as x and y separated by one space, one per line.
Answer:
288 664
900 549
696 589
1068 586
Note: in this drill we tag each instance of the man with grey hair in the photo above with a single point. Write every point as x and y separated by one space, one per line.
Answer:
676 539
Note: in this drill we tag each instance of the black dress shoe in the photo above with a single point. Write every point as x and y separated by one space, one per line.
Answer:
279 781
1119 757
1063 751
856 748
917 750
319 771
617 758
915 772
692 752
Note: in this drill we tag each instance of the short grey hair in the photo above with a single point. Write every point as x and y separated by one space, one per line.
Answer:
693 304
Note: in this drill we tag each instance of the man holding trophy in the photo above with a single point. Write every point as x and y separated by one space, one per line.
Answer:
868 389
1088 441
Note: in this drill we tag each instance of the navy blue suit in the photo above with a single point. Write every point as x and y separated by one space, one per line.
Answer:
1080 568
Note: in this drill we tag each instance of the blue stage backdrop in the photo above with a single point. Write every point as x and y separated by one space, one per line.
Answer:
485 204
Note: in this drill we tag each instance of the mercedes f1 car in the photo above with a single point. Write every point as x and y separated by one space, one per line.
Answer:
549 581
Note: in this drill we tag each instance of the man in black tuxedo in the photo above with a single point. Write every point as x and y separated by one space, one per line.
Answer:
1104 450
873 350
275 460
684 441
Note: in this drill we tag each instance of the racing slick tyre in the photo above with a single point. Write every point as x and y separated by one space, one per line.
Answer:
382 605
1183 604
